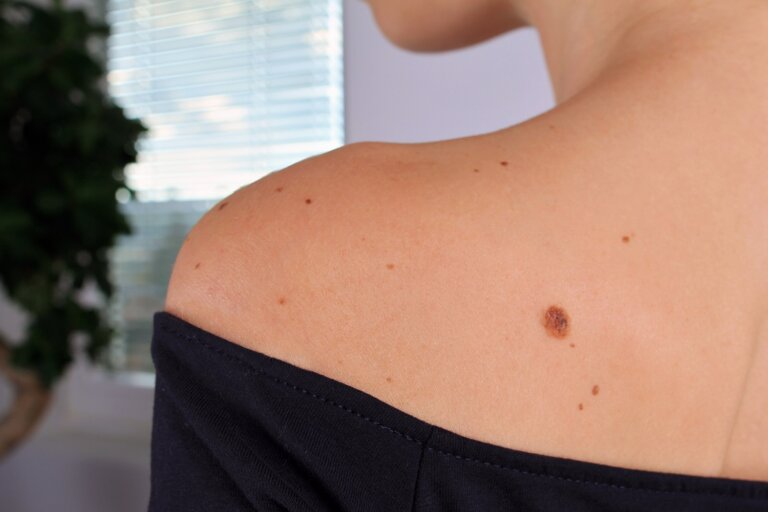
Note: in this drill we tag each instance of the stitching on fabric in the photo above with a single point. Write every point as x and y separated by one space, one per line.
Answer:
566 479
252 370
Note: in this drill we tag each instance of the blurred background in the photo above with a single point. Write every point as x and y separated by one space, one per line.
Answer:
229 91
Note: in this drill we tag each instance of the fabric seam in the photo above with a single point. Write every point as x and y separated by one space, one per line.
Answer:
418 469
257 371
287 487
240 492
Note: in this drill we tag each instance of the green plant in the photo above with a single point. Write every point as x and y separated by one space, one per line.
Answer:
63 147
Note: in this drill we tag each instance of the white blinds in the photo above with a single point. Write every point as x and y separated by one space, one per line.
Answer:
231 91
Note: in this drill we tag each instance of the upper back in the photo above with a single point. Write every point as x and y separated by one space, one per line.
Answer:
423 273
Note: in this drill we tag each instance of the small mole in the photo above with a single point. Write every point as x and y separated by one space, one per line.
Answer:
573 345
581 407
477 170
625 239
197 266
503 162
390 266
222 205
555 321
595 389
282 300
389 379
279 189
339 361
307 200
551 127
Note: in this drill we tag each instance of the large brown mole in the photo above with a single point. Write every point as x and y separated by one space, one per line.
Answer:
556 322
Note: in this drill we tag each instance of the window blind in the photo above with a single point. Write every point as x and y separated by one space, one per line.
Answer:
231 91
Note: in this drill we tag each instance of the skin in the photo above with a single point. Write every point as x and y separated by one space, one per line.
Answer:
589 284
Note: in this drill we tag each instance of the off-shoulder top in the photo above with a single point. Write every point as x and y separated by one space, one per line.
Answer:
235 430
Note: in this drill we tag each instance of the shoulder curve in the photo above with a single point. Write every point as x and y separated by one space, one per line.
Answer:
253 267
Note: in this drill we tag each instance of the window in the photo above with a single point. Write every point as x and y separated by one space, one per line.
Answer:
231 90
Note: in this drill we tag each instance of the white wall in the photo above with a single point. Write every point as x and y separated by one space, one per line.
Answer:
391 95
395 95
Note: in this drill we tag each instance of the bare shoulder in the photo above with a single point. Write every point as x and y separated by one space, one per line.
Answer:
424 274
255 268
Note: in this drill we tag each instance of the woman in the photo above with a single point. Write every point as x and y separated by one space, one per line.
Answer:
570 313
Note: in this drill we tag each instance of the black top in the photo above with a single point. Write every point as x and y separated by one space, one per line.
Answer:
237 430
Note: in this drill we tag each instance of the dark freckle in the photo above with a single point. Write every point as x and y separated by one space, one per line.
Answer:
503 162
476 170
390 266
389 379
625 239
339 361
573 345
282 300
308 200
222 205
595 389
197 266
551 127
555 321
363 239
279 189
581 407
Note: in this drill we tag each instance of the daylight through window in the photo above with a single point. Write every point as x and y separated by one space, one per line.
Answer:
231 91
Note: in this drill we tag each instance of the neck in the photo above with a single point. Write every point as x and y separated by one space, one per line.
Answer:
586 39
